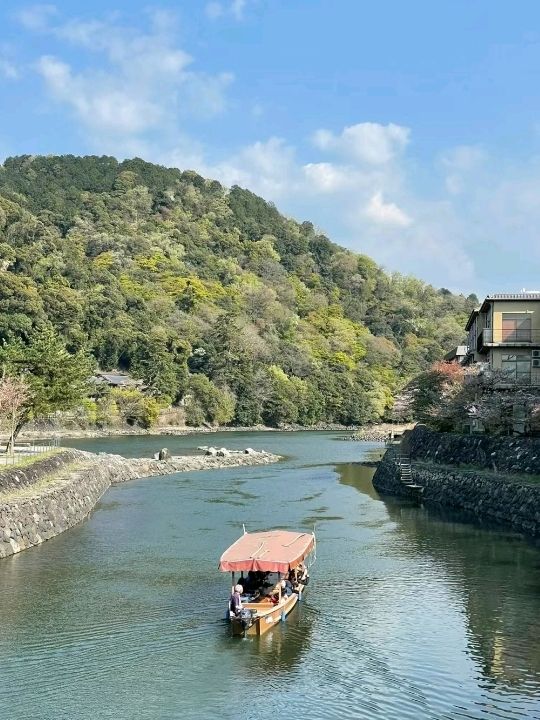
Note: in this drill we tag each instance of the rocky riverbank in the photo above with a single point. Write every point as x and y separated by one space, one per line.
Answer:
50 496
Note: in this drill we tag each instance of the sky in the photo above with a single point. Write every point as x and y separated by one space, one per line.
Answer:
408 131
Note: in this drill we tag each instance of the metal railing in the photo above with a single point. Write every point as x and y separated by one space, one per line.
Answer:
500 336
24 450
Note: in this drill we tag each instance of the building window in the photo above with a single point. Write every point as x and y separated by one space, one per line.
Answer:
517 367
516 327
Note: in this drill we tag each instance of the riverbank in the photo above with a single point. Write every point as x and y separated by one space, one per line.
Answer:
40 502
380 433
374 433
494 479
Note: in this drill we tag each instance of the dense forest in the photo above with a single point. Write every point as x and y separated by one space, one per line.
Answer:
209 295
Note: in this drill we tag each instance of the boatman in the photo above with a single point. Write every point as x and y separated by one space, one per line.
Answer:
235 602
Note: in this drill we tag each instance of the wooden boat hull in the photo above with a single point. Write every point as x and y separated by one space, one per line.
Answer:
268 615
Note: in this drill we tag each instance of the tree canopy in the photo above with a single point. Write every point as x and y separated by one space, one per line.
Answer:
209 294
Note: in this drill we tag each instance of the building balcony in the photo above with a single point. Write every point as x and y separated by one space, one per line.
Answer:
495 337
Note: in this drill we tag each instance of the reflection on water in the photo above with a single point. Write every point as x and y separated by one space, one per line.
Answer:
498 574
277 652
358 476
410 614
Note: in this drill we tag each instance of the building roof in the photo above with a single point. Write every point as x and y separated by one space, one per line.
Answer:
457 352
117 379
534 296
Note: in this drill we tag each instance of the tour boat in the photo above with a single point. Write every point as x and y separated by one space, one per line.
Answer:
261 553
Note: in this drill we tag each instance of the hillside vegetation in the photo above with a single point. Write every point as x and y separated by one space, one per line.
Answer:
210 294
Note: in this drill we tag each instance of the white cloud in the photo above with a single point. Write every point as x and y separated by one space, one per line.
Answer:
37 17
464 157
146 83
385 213
100 102
327 177
267 168
235 9
366 142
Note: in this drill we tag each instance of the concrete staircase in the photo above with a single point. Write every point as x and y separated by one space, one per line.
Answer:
404 462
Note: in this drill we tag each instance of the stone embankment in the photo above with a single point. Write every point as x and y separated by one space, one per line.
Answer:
495 479
379 433
501 454
42 500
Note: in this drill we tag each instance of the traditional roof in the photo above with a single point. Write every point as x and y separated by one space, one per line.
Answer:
457 352
535 296
117 379
269 551
508 296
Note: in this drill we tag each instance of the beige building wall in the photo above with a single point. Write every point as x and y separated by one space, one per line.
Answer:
532 308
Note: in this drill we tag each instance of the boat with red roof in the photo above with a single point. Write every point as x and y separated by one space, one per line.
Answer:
269 572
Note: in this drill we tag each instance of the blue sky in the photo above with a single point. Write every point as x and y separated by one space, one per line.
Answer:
406 130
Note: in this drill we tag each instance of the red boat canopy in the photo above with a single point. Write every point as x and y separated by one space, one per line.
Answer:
270 551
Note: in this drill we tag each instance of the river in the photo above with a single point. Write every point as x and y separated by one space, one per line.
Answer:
410 613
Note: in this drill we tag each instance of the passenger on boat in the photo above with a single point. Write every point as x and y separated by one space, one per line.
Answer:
275 592
286 587
298 577
250 583
235 601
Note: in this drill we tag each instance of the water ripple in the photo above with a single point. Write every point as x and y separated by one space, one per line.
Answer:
409 615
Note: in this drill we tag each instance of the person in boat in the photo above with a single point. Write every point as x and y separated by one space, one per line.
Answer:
275 592
250 583
235 601
286 588
298 577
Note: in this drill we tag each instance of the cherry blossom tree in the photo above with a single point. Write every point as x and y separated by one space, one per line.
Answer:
14 396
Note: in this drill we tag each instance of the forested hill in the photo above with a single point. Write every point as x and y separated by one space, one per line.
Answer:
210 293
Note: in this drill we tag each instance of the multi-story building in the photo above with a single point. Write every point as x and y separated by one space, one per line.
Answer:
504 333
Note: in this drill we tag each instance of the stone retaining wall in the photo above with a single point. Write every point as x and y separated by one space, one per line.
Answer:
54 497
504 454
15 478
506 500
56 502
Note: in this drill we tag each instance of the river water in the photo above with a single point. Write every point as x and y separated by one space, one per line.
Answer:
410 614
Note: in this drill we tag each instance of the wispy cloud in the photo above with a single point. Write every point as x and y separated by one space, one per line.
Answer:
459 163
37 17
8 69
366 142
146 82
385 213
235 9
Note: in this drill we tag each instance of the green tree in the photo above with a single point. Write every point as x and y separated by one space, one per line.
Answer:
135 408
206 402
281 405
56 378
